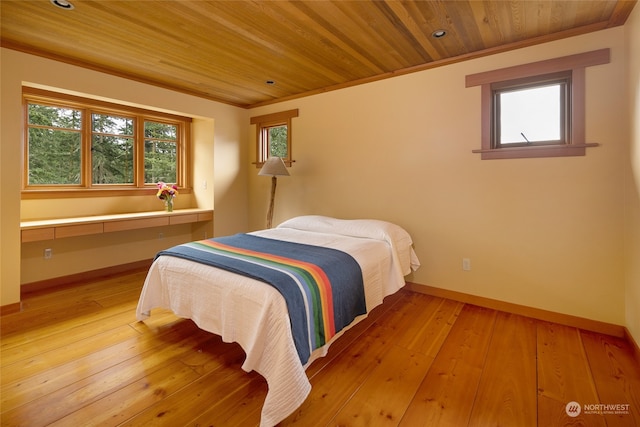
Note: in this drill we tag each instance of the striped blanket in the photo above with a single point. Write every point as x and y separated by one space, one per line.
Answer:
322 287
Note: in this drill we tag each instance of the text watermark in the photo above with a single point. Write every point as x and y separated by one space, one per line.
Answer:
573 409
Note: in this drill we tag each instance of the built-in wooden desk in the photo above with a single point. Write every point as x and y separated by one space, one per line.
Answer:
33 231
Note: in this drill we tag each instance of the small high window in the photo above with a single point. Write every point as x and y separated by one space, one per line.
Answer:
532 111
535 110
276 141
273 136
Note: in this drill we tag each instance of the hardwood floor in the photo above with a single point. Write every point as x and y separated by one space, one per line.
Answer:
77 357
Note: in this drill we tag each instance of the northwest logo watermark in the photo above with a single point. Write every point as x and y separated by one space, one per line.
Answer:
573 409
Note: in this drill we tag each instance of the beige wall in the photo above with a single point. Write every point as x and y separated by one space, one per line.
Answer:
217 128
632 217
546 233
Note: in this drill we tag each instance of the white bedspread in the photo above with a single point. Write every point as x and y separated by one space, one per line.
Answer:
254 314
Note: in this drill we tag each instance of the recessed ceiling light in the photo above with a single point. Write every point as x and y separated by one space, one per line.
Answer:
270 82
438 34
62 4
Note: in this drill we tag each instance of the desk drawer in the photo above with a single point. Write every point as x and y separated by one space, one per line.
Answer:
37 234
78 230
132 224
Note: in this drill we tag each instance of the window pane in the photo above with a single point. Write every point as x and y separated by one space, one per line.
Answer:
278 141
44 115
159 161
160 152
112 149
54 157
112 160
112 125
54 145
160 131
530 115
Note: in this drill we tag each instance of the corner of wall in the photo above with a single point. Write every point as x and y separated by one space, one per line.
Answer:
632 180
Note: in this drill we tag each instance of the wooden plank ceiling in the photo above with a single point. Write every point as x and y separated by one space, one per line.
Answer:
228 50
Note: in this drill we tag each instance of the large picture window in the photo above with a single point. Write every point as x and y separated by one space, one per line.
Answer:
75 144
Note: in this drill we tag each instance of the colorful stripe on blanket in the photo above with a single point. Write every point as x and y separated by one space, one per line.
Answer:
322 287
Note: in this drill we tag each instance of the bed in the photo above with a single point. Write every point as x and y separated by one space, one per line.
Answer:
246 310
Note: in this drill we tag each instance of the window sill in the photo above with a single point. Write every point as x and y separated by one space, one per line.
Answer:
535 151
53 193
33 231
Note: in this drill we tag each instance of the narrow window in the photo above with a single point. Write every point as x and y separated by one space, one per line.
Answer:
277 141
160 152
273 136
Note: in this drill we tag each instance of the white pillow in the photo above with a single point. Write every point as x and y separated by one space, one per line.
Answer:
398 238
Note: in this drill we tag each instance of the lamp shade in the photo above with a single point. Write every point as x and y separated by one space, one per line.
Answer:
274 166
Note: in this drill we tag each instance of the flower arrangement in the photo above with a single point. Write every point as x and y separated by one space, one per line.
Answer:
167 192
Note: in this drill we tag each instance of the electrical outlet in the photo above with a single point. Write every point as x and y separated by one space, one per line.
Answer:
160 236
466 264
48 253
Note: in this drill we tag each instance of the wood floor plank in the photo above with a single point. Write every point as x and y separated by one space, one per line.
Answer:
125 403
408 318
617 377
385 395
77 356
155 385
82 391
41 321
245 410
33 347
36 359
214 388
507 390
430 326
118 298
334 384
426 322
78 293
563 376
24 391
64 322
446 395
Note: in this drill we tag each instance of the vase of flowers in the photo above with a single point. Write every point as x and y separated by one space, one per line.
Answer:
166 193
